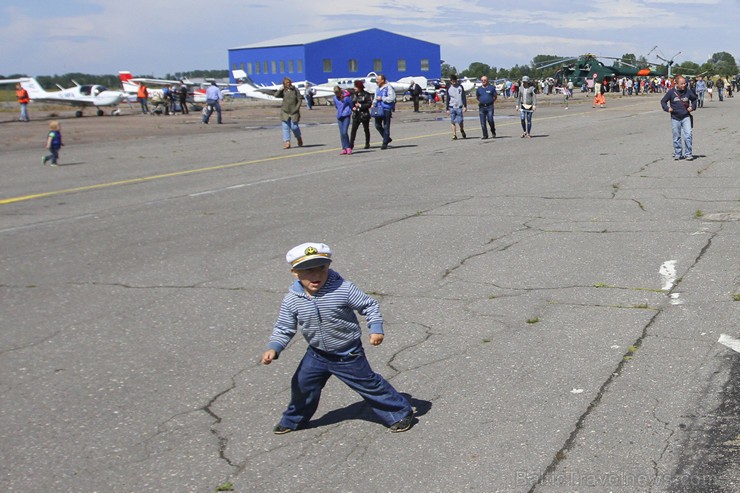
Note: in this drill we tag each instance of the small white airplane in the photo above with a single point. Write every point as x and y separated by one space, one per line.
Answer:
371 83
80 96
246 86
130 85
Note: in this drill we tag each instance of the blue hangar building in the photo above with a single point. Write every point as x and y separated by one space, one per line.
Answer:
339 54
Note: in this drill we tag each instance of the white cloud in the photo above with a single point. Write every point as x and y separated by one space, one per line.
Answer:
104 36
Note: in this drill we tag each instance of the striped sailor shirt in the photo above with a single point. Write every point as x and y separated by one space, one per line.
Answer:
327 320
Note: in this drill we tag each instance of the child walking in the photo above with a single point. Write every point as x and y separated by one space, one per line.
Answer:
323 305
53 143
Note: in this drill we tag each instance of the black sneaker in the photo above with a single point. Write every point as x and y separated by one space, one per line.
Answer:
463 134
281 430
404 425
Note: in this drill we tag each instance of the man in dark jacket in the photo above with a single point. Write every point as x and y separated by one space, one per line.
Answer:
680 101
415 91
184 98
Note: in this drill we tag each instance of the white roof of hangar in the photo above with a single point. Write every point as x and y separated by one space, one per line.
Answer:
300 39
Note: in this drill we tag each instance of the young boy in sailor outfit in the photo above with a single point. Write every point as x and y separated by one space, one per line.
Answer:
323 305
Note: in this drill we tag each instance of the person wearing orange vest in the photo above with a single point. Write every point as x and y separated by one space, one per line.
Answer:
143 96
23 100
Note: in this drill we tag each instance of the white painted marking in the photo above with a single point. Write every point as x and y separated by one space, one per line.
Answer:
731 342
274 180
576 391
668 271
675 299
46 223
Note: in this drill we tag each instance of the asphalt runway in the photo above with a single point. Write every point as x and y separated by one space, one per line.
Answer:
553 305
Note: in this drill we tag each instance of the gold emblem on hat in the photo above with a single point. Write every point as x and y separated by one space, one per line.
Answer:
311 251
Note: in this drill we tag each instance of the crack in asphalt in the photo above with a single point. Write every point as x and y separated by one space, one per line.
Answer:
32 344
570 442
667 442
416 214
222 440
560 455
502 248
428 333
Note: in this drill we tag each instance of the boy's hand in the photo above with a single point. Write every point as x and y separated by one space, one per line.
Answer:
376 339
268 356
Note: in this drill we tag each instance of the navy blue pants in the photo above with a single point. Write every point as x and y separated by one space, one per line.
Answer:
383 126
354 370
486 117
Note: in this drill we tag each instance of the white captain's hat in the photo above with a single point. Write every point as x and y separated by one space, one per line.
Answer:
309 255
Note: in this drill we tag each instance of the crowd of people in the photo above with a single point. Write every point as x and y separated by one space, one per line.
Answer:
167 101
632 86
357 107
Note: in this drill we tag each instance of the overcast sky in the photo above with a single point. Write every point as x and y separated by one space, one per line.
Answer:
45 37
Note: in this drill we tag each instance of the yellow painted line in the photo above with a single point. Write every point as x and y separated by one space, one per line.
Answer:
144 179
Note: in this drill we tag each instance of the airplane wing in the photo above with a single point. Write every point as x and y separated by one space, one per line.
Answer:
78 103
404 83
163 82
267 89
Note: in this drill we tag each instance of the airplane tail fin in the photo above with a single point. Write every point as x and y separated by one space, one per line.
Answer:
33 88
241 77
126 83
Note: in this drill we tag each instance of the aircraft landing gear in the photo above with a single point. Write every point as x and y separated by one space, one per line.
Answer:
101 112
78 113
116 112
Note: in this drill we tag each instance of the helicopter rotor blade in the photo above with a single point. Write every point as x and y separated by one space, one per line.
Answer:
552 64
